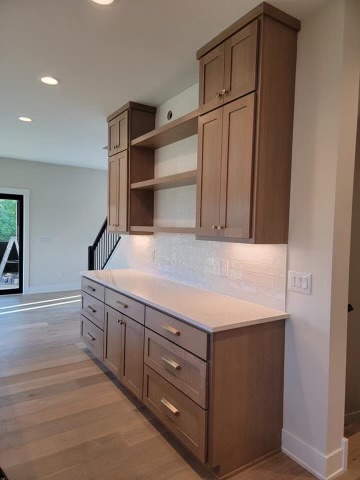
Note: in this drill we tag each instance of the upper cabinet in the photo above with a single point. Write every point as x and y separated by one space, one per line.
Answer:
128 164
229 71
118 134
247 85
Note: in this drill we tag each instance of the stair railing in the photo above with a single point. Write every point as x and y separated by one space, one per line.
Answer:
100 252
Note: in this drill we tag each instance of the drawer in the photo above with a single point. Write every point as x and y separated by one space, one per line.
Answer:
182 369
186 420
181 333
131 308
93 337
93 309
93 288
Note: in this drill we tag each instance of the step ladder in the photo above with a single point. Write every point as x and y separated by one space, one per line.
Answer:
13 241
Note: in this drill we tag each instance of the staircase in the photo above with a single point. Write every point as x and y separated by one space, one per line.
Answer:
99 253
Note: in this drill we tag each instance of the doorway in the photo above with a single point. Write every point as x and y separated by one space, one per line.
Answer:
11 243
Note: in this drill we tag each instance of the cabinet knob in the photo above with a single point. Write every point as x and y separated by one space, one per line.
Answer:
220 227
218 95
224 92
214 227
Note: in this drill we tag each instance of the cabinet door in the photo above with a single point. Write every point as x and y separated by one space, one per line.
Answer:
241 62
237 168
132 356
212 78
118 193
118 134
112 340
209 167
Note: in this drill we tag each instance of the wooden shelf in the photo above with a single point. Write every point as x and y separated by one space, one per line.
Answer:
139 229
172 132
170 181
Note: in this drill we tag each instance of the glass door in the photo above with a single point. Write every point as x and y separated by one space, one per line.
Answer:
11 244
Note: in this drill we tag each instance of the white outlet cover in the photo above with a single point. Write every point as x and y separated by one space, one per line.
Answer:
300 282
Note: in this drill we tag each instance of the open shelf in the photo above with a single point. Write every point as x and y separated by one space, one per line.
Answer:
170 181
138 229
179 129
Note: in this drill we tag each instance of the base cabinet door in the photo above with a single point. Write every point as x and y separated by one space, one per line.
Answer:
113 340
132 366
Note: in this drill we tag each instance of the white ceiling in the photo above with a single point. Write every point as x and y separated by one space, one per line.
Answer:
140 50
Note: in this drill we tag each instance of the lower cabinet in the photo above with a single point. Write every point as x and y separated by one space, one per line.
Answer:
219 393
132 364
113 340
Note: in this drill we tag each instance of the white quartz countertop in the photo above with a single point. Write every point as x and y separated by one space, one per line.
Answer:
207 310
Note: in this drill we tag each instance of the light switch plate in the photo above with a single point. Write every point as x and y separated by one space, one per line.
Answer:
300 282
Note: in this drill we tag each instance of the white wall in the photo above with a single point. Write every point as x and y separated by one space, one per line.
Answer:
256 273
67 209
323 159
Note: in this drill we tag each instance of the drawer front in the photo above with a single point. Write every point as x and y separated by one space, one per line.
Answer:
182 369
93 309
129 307
183 334
92 288
186 420
93 337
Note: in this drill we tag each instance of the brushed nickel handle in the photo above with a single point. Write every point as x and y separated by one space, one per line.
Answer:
91 309
120 321
122 304
218 94
171 330
214 227
170 407
224 92
171 363
91 337
92 289
220 227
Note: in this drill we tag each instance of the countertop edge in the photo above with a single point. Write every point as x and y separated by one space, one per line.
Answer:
191 321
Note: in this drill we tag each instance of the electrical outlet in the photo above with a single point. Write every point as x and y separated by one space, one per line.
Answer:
300 282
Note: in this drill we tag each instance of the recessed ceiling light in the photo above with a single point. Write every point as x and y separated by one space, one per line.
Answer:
49 81
103 2
25 119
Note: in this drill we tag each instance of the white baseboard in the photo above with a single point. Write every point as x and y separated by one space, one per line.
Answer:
61 287
324 467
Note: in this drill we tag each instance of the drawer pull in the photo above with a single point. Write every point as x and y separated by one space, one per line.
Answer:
170 407
91 309
92 289
122 305
171 330
171 363
91 337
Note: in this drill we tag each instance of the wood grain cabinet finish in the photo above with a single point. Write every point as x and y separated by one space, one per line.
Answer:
219 393
92 336
118 193
113 340
93 288
132 367
186 420
126 305
182 369
229 71
118 136
254 126
93 309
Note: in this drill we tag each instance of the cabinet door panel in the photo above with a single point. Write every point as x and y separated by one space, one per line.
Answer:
118 134
118 193
237 168
212 78
132 356
113 191
241 62
112 340
209 165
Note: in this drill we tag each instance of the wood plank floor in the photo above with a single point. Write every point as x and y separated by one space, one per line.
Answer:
64 417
